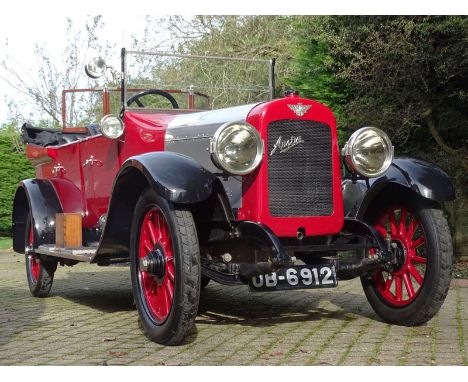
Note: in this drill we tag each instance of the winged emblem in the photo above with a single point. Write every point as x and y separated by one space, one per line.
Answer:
299 109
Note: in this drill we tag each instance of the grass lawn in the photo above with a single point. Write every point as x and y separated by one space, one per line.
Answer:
5 243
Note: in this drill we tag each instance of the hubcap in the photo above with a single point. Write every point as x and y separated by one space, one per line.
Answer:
156 265
398 248
402 285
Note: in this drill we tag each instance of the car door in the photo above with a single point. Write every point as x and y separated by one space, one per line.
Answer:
100 164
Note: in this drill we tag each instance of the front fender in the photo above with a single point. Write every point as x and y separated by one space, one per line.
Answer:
423 178
176 177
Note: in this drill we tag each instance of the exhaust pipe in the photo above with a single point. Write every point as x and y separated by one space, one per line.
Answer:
300 233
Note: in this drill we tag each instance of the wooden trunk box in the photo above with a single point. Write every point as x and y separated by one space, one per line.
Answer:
68 231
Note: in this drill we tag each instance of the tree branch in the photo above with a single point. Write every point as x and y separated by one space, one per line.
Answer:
440 141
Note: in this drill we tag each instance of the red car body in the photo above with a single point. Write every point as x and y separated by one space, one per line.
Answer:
157 195
83 172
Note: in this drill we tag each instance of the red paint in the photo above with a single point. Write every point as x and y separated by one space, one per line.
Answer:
143 133
83 172
158 292
255 187
34 263
105 102
71 197
402 286
99 165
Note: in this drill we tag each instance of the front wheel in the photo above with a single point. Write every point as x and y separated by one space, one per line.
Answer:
414 290
165 268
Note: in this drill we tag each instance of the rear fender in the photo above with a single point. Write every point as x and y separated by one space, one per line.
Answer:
38 197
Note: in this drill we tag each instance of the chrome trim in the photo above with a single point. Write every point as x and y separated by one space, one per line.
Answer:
215 154
287 145
348 153
299 109
156 53
103 124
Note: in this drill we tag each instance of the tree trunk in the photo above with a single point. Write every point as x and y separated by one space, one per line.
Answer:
432 124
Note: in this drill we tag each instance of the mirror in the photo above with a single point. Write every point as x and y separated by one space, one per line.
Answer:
96 67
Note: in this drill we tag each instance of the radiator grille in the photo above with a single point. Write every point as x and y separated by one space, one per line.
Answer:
300 177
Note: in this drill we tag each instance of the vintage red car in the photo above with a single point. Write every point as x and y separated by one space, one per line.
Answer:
257 194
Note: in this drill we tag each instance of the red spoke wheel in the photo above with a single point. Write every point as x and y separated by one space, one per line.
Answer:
39 273
412 292
157 285
165 268
34 262
401 286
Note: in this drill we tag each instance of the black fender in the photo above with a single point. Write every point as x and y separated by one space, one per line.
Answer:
417 176
175 177
39 197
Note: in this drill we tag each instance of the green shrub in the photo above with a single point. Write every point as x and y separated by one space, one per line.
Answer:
14 167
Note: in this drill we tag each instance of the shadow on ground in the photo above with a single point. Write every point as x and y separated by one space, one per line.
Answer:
220 306
107 292
110 292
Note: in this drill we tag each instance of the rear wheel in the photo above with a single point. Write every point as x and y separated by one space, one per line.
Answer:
39 272
414 290
165 268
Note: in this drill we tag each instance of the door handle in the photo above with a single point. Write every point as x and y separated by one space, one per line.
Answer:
58 170
91 161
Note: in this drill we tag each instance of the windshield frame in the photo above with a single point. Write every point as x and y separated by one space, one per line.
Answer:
124 70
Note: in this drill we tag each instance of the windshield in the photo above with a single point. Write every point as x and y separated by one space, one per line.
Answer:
195 82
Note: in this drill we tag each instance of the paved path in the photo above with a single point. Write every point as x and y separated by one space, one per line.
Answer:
89 319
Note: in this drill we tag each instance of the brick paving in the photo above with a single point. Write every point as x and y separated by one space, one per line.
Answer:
89 319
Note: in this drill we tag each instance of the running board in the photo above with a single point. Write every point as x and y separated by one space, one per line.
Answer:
85 254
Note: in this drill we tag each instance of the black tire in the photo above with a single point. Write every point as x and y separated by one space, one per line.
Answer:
437 253
204 281
182 278
39 269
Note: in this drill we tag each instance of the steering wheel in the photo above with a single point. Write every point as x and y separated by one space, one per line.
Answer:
136 97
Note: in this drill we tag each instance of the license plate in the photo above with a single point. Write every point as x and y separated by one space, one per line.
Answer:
296 277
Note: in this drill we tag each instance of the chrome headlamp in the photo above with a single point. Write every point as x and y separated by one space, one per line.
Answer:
236 148
368 152
111 126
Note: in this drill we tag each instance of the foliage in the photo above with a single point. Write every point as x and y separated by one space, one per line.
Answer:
227 82
42 91
14 167
312 72
408 75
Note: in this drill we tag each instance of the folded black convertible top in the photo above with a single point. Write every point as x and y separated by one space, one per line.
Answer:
52 137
